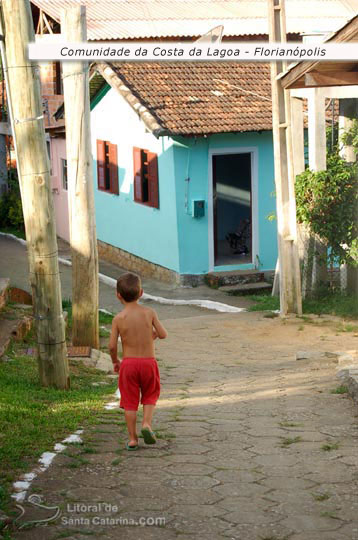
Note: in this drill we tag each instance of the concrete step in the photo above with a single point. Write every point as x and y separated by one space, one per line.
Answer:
239 277
246 288
4 291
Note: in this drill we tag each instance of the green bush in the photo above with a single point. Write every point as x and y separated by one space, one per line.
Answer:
10 205
327 202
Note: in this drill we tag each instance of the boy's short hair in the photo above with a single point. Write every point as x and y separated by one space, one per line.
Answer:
129 286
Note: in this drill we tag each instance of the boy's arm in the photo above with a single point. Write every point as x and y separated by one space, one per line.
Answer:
113 344
159 330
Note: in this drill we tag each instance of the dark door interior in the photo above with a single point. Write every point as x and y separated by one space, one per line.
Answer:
232 205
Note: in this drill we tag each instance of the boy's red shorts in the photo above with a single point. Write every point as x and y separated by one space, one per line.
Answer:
138 377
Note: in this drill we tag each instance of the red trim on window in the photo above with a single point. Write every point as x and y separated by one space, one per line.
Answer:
113 168
153 180
137 165
101 165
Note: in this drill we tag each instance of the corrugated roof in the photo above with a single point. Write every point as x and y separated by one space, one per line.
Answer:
197 98
133 19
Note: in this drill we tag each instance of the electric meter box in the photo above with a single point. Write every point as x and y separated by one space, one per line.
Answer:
198 209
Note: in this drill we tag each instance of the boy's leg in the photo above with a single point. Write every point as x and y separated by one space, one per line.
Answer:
148 411
150 388
129 388
131 420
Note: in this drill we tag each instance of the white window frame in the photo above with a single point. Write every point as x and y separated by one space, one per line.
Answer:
63 162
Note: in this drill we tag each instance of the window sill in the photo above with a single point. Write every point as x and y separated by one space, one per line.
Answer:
107 191
148 205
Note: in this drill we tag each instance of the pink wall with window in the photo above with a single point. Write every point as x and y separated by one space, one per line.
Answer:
59 191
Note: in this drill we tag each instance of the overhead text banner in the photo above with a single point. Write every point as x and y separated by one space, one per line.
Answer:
154 51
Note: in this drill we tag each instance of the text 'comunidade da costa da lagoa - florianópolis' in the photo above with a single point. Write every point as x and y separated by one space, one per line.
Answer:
195 52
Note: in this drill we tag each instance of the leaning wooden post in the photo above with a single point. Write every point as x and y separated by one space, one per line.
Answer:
290 280
80 186
34 177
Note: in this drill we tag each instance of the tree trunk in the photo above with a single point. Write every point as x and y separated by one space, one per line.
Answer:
34 175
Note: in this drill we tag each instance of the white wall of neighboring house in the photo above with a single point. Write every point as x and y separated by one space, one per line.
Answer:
60 199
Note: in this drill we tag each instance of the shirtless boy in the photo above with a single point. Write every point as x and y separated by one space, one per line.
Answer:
138 327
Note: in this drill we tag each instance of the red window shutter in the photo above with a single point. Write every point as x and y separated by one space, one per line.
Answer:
153 187
113 168
137 164
101 165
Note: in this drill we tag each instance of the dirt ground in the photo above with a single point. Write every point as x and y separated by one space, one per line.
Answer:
252 444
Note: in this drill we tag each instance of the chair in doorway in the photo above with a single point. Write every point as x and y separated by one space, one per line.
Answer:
240 239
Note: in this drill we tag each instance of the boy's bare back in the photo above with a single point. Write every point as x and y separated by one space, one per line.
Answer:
138 327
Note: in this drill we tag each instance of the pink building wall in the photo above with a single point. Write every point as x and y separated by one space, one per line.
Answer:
52 98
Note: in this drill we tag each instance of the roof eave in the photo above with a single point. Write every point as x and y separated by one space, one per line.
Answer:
295 76
112 78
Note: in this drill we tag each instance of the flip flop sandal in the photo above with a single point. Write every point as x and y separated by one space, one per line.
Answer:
131 448
148 436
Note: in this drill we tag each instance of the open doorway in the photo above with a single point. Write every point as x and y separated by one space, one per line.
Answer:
232 208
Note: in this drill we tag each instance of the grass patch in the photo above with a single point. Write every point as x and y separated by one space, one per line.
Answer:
347 328
274 537
13 230
104 318
104 332
89 450
82 532
332 304
166 435
34 418
329 514
285 442
290 424
340 390
264 302
327 303
77 462
321 496
328 447
6 535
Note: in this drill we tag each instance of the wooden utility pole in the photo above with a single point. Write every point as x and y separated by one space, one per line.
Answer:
34 177
80 186
290 280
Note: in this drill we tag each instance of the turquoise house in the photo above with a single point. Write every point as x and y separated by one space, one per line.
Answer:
183 167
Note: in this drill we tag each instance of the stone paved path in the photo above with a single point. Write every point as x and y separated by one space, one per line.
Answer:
253 445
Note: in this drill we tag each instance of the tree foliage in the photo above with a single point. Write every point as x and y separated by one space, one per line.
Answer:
327 201
10 204
350 137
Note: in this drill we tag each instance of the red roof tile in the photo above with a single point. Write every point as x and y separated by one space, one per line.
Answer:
197 98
